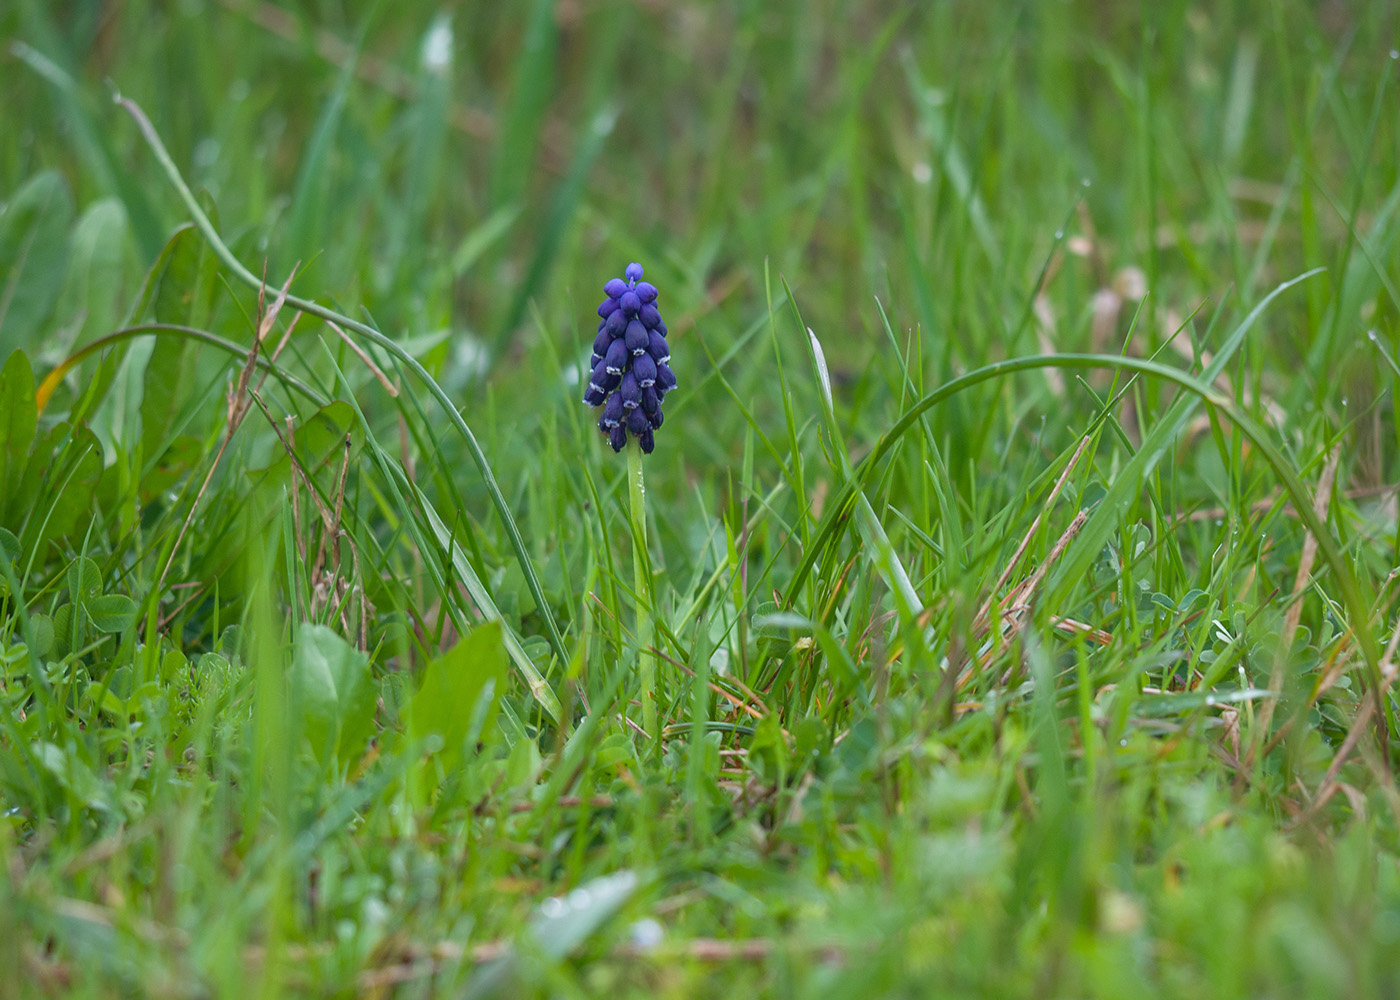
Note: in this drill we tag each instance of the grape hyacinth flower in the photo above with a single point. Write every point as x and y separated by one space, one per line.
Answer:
631 362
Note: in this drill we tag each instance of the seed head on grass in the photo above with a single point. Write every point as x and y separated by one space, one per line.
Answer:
631 362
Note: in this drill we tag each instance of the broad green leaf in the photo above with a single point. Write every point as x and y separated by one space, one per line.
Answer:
321 438
93 301
54 495
18 419
110 702
613 749
33 476
334 692
166 389
68 630
183 454
33 256
186 291
461 691
98 255
184 296
43 628
111 612
121 681
155 277
65 500
320 443
9 553
84 580
172 665
320 448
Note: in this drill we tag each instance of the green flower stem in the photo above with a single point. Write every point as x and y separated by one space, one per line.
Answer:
641 581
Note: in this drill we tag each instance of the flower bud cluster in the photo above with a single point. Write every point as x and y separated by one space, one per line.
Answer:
631 362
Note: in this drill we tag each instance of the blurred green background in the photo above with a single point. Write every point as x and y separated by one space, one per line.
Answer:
446 166
473 173
942 186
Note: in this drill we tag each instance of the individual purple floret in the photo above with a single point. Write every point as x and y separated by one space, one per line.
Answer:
612 412
605 380
616 357
600 346
630 391
631 371
636 338
656 347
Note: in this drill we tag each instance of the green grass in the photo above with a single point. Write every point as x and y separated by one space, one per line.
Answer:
1014 609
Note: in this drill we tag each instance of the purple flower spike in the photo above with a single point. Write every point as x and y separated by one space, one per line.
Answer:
631 371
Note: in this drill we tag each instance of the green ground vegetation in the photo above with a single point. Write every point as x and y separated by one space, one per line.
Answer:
1016 607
